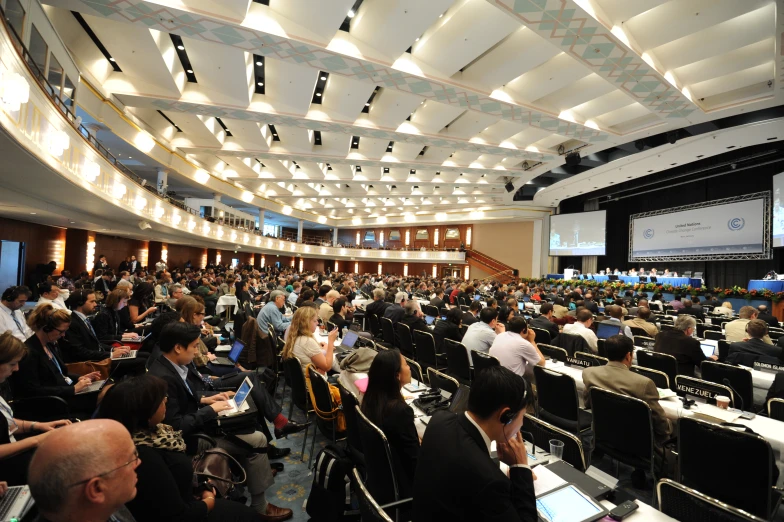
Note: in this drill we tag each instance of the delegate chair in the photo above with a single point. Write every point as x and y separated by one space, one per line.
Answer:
684 382
557 401
659 378
325 408
543 432
425 349
682 503
299 395
458 364
747 484
404 339
483 360
634 444
388 332
659 361
542 335
776 409
573 343
637 331
643 341
553 352
739 378
442 381
375 326
349 401
594 360
369 509
724 349
714 335
416 370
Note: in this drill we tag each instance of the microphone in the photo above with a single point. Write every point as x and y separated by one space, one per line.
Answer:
726 383
533 440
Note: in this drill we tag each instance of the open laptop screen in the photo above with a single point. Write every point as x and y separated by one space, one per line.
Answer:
236 350
429 320
349 339
707 349
242 392
605 330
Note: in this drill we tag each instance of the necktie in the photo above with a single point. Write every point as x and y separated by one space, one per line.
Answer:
18 325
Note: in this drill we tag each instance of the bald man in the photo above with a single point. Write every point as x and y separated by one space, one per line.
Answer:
85 472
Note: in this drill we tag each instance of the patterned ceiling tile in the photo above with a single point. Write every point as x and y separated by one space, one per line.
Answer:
169 19
580 35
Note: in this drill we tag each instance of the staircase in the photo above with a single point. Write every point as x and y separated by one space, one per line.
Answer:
498 270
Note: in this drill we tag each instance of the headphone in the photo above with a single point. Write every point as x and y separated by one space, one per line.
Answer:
50 326
508 416
13 292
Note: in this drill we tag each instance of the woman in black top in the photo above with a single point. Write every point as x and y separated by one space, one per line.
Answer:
385 407
139 304
165 490
449 329
108 324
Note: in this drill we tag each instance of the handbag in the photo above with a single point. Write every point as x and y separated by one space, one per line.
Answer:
83 368
218 469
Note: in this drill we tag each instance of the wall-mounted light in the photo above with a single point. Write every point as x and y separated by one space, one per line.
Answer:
357 241
119 190
177 218
14 91
58 142
91 170
435 239
90 258
405 270
467 272
165 253
287 210
381 238
379 269
336 266
408 237
144 142
468 236
202 176
140 202
322 219
263 260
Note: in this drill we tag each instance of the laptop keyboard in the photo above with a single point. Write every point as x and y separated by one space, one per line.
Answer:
8 500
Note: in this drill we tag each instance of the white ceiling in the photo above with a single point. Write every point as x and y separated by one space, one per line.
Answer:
487 86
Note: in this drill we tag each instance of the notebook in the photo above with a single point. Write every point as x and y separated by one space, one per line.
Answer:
15 504
234 354
605 330
569 504
238 402
707 349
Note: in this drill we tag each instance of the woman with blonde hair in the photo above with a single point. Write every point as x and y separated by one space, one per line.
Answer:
43 371
302 344
725 309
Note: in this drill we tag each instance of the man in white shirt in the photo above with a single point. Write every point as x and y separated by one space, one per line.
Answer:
582 327
50 293
11 317
481 335
515 348
293 296
160 266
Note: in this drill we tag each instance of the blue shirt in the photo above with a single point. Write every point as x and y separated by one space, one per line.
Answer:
270 315
182 371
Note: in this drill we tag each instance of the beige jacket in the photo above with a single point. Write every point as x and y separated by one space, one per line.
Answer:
736 331
645 325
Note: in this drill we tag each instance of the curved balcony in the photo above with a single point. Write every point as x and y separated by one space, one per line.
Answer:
65 172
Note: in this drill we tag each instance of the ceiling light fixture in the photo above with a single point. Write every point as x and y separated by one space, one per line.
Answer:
351 13
259 63
181 47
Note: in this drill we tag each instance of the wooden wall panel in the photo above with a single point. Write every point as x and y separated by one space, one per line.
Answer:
42 243
116 249
181 254
76 251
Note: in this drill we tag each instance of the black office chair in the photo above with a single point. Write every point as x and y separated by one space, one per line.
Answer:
325 408
388 332
594 360
774 334
643 341
682 503
739 378
776 409
369 509
659 378
724 349
416 370
600 348
404 339
381 479
292 369
430 310
714 335
659 361
44 408
573 343
747 484
457 362
542 335
557 401
634 444
637 331
425 350
483 360
442 381
685 382
702 328
543 432
553 352
375 325
349 401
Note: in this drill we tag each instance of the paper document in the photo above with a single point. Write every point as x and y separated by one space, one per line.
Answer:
546 481
713 413
666 393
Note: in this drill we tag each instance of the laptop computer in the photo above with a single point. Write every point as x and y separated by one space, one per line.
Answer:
234 354
131 353
349 340
15 504
94 387
707 349
605 330
239 401
430 320
477 297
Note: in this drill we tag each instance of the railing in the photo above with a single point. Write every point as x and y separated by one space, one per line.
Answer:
74 120
489 261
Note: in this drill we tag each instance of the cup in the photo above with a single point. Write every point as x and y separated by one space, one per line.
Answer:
556 448
723 402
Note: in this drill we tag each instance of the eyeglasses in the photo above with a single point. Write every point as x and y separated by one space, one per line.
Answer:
61 332
200 313
132 461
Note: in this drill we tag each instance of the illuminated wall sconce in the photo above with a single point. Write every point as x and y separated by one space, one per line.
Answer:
119 190
287 210
336 266
356 268
357 243
58 142
144 142
405 270
301 264
408 237
435 270
468 236
322 219
381 239
165 253
263 260
159 212
91 171
177 218
14 91
435 239
379 269
217 258
202 176
467 272
233 236
90 258
220 232
292 262
140 202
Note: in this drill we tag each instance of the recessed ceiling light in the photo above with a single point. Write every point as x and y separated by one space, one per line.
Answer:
181 47
318 94
275 135
33 213
441 15
258 63
72 222
323 77
189 71
111 59
367 105
417 39
351 13
260 84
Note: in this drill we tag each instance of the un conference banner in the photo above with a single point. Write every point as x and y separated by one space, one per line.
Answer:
732 228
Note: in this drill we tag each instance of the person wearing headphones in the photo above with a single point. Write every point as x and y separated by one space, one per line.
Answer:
11 317
456 479
81 343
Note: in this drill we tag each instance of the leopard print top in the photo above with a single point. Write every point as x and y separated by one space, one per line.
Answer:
162 437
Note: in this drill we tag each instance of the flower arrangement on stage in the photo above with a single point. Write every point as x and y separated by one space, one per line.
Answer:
720 293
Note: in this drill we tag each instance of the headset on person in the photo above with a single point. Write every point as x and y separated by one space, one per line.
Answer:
12 293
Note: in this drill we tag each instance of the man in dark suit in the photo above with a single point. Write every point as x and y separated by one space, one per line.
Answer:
753 348
545 321
590 304
438 300
395 312
191 407
472 315
765 316
378 306
680 344
690 309
455 478
414 318
776 390
81 343
101 264
125 265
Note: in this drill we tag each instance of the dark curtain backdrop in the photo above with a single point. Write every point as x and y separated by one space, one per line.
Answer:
716 273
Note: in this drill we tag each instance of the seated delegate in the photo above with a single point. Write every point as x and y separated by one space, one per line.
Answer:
301 343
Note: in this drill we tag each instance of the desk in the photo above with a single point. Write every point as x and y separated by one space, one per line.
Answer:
225 302
762 381
674 281
772 285
772 430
